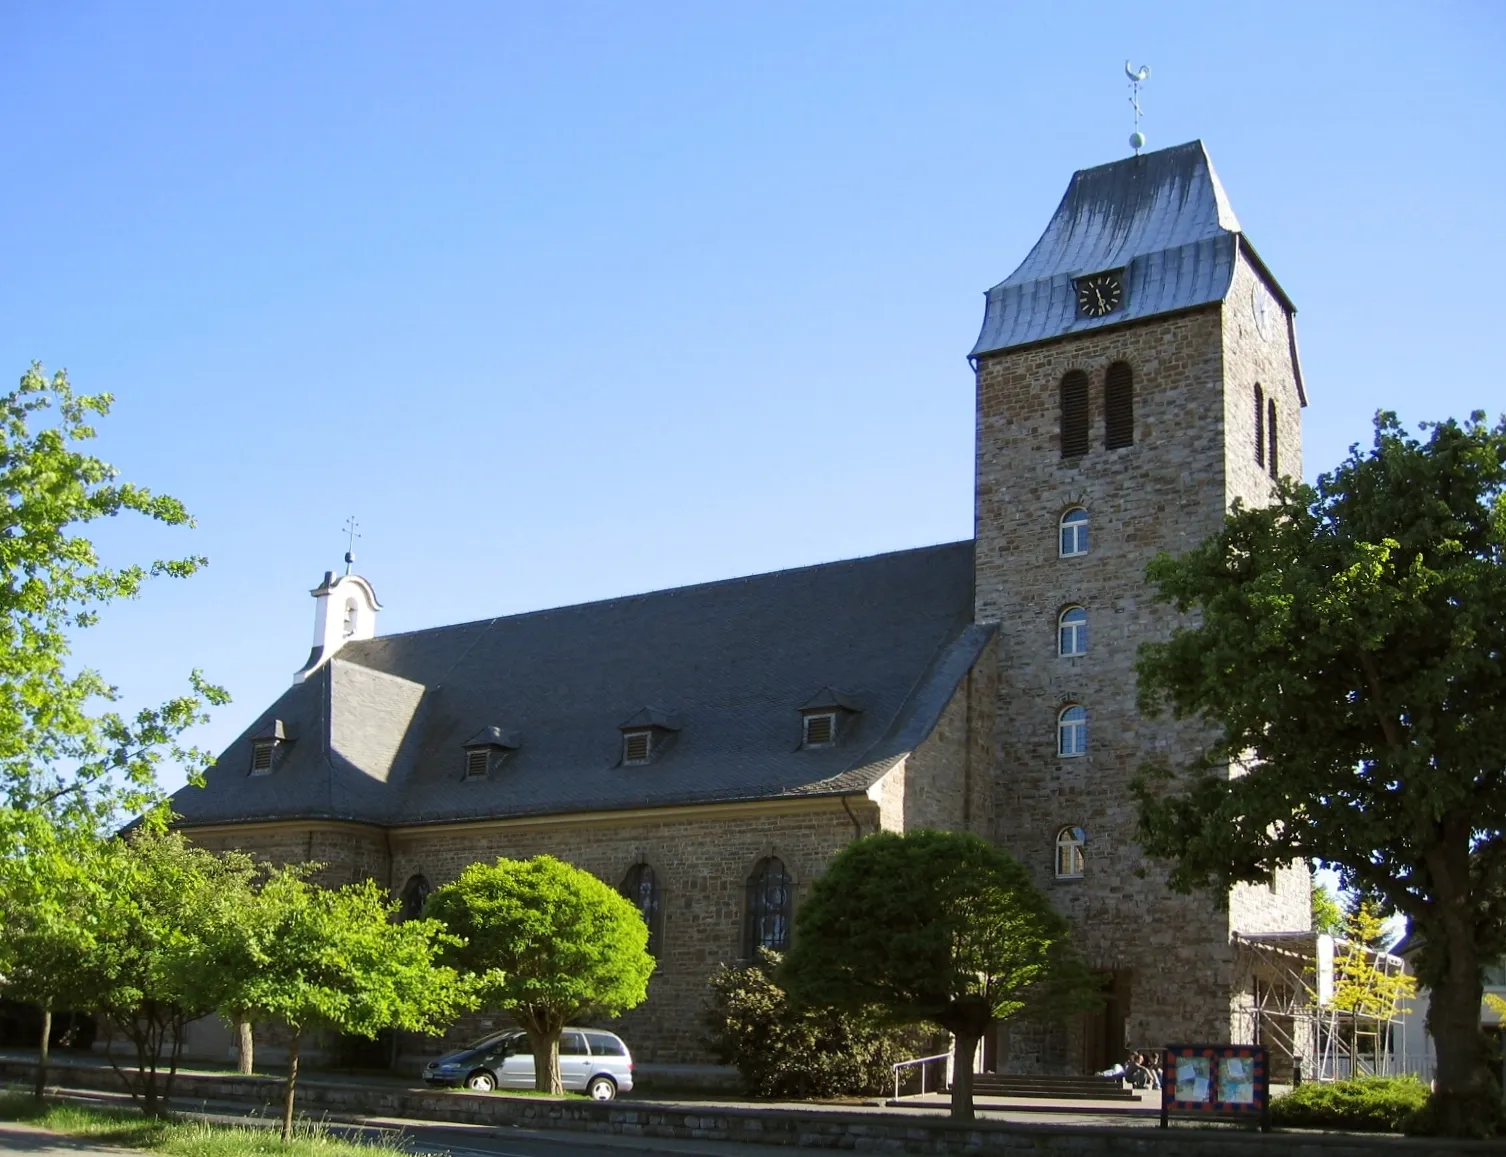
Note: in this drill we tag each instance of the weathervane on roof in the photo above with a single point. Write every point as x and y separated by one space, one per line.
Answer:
350 550
1137 77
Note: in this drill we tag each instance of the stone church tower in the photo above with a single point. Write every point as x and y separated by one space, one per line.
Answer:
1136 375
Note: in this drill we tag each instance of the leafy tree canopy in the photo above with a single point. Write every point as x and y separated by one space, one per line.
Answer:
67 762
1348 653
933 926
548 943
311 956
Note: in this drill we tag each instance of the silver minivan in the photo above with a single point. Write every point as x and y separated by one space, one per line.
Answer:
593 1062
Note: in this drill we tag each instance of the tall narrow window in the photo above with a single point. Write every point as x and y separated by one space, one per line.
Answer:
349 627
1074 414
1069 858
1259 425
1074 527
1270 432
1118 407
641 887
1072 632
768 908
1072 731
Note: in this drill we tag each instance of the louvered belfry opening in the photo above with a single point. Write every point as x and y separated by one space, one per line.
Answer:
1270 430
1074 414
1119 407
1259 425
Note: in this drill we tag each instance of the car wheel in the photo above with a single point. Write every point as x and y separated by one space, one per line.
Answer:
601 1089
481 1081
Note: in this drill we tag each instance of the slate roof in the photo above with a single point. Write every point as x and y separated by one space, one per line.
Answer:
1162 217
380 729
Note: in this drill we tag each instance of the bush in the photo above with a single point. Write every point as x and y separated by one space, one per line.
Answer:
795 1055
1368 1104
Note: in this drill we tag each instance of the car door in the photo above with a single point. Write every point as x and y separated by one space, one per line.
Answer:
575 1059
516 1072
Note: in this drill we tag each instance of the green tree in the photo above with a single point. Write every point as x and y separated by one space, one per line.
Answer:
1348 653
50 903
938 927
548 943
146 965
336 959
1328 912
796 1054
65 758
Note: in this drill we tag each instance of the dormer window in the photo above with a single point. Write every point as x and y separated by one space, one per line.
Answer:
266 747
824 716
485 751
820 729
637 746
647 735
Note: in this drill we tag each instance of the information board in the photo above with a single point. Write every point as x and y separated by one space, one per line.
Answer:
1215 1081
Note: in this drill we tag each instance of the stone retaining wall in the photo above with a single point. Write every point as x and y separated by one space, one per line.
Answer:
888 1132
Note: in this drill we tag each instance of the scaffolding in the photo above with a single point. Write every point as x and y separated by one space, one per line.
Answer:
1287 986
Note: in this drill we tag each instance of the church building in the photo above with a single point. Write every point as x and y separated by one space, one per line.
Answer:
709 749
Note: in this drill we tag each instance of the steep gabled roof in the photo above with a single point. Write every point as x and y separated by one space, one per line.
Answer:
383 726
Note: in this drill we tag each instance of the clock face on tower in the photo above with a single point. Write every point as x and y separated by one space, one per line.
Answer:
1099 294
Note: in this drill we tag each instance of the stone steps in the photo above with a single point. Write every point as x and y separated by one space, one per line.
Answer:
1052 1088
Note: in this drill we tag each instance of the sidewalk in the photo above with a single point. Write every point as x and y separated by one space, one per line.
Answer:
18 1138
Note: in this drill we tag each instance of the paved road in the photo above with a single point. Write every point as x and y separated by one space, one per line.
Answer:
18 1138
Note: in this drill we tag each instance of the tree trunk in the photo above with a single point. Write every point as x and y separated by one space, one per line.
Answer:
291 1085
965 1044
546 1060
246 1054
43 1050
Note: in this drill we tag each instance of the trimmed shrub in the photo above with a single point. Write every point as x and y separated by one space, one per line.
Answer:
796 1055
1366 1104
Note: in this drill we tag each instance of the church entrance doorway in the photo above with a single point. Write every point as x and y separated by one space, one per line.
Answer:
1101 1032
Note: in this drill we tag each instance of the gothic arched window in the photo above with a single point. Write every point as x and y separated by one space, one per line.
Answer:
1074 402
1072 731
1259 425
1118 407
1074 528
1270 433
415 896
641 887
1069 857
1072 632
769 904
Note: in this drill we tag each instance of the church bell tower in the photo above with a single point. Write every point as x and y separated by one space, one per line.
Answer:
1136 375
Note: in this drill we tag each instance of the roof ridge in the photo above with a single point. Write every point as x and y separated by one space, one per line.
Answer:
485 624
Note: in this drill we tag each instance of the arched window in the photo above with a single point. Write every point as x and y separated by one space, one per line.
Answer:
1270 433
641 887
415 896
350 618
1072 632
1118 407
1074 433
1259 425
1074 528
1069 858
1072 731
768 908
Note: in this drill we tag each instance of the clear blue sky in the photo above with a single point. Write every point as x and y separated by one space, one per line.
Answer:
569 300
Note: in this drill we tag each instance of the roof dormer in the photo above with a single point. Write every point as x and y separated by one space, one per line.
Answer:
486 750
647 735
824 716
268 745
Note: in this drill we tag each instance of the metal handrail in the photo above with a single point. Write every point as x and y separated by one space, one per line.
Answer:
922 1061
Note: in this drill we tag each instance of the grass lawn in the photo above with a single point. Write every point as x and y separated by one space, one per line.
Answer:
130 1130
